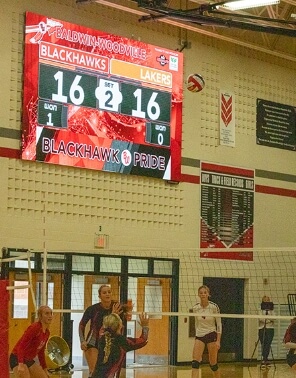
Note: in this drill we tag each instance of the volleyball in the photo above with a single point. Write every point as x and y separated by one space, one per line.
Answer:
195 83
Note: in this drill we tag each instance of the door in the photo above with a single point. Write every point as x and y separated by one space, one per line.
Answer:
22 309
151 295
228 293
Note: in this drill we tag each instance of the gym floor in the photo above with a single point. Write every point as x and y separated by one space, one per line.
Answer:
228 370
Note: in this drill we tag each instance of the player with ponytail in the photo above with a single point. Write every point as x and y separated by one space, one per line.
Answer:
113 346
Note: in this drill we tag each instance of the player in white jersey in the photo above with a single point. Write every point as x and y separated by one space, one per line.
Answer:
208 330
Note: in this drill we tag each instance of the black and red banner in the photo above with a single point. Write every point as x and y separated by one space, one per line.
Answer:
227 211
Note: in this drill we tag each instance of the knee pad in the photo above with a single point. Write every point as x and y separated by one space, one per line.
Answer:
195 364
214 367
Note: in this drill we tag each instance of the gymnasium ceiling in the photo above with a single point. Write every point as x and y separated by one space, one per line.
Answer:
172 12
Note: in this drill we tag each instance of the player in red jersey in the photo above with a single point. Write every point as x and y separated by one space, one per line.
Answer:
31 345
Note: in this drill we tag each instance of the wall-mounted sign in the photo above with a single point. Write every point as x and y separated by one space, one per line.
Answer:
276 125
227 119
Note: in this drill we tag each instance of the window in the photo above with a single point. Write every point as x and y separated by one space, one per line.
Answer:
20 300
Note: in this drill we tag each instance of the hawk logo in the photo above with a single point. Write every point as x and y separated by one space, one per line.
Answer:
162 60
126 158
41 29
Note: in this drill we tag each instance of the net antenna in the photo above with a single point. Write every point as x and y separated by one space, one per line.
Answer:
292 304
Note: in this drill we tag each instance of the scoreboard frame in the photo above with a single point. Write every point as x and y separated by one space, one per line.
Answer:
100 101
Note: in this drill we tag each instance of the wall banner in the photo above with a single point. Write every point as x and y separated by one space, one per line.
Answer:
99 101
227 119
227 211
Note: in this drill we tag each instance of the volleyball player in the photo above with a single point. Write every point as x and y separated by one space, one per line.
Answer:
95 314
31 345
113 346
290 343
208 330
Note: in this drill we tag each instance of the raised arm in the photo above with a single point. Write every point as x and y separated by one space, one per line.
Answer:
132 343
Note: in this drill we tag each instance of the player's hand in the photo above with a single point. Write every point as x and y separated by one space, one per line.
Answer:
218 344
128 310
144 320
83 345
117 308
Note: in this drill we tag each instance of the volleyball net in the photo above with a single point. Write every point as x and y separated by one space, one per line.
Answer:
163 283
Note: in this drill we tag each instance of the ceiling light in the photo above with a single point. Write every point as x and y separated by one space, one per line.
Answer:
244 4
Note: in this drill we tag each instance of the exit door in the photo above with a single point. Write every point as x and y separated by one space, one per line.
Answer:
228 293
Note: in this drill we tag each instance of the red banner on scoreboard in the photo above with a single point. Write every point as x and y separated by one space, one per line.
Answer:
100 101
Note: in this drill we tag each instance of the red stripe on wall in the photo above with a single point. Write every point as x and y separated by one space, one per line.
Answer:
10 153
189 178
275 191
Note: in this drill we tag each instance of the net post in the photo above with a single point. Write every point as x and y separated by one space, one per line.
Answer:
44 283
31 280
4 327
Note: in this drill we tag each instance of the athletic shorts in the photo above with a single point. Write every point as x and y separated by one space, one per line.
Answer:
291 359
13 362
89 346
209 338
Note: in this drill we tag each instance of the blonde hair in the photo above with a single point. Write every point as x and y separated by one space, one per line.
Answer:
42 309
111 323
204 287
102 287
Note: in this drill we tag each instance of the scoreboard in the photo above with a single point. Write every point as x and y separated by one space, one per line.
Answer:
65 86
100 101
